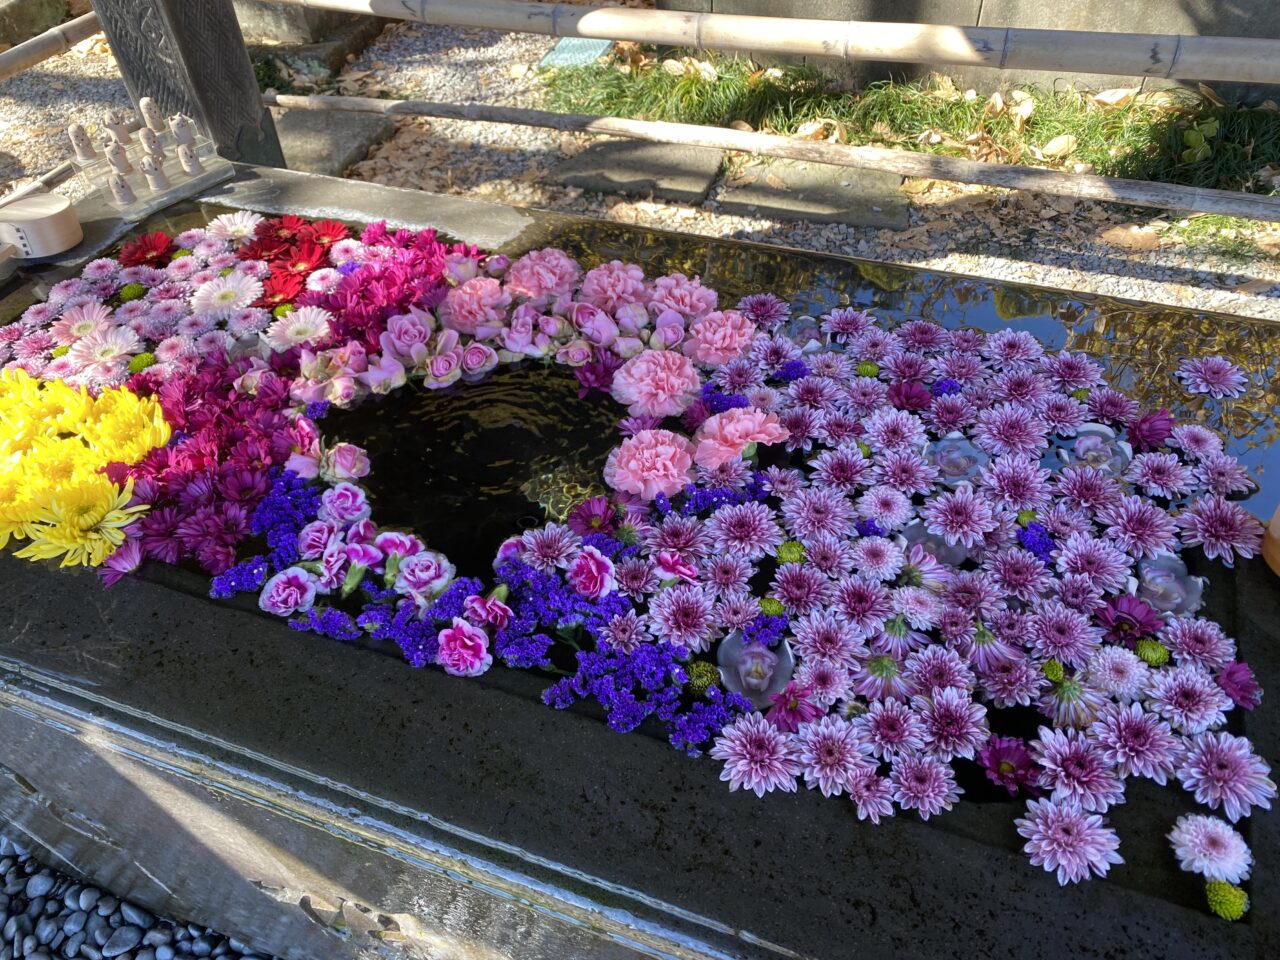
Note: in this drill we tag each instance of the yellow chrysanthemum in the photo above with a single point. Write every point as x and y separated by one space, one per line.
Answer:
55 441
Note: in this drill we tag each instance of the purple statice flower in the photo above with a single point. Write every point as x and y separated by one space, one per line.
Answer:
1238 682
417 638
872 794
317 410
1007 762
1136 743
1139 527
814 511
1199 642
328 622
945 387
765 629
870 528
683 615
1160 475
936 668
822 635
1118 672
1075 769
960 516
1211 848
800 588
1222 770
954 726
757 756
924 784
631 687
691 730
241 578
1126 619
747 530
830 754
1188 698
890 729
1036 539
1221 528
1066 841
1216 376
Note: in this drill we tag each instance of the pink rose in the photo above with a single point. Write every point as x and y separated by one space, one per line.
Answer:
476 307
650 463
724 437
668 330
386 374
495 265
575 353
719 337
628 347
522 335
613 285
407 335
290 591
686 297
593 324
423 576
590 573
488 610
477 360
460 268
464 649
542 275
657 383
343 461
315 538
341 390
344 503
552 326
671 566
631 317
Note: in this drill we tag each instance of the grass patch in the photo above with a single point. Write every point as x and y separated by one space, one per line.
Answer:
1225 236
1143 138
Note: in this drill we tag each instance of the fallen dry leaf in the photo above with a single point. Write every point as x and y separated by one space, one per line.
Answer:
1130 236
1253 286
1211 95
775 181
673 67
741 125
1060 146
1114 98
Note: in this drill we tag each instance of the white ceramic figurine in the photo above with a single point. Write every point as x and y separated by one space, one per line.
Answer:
191 164
151 115
81 143
118 158
154 172
183 130
120 189
114 121
151 143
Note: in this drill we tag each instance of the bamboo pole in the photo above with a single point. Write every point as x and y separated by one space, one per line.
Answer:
52 42
908 164
1168 56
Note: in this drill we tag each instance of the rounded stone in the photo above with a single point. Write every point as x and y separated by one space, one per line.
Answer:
200 947
145 954
158 936
164 952
39 885
45 930
137 916
121 941
90 952
89 897
75 922
108 905
35 907
72 947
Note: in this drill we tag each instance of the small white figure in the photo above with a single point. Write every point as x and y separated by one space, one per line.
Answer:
191 164
154 172
183 130
151 143
118 158
151 115
81 143
120 189
114 121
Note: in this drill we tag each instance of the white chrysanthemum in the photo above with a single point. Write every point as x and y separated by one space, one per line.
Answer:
233 226
1118 672
304 325
223 296
1208 846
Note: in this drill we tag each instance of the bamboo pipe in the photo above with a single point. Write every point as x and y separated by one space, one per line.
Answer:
1167 56
52 42
1078 186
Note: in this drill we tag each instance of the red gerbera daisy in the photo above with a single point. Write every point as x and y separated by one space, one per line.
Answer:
325 232
305 257
281 287
149 250
264 248
284 228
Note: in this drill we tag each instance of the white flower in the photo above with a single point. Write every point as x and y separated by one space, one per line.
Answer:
1208 846
234 226
223 296
303 325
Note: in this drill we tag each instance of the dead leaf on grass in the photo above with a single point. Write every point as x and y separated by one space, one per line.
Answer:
1114 98
1130 236
1060 146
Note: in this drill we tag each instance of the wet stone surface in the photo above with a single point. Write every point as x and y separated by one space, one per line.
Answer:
45 915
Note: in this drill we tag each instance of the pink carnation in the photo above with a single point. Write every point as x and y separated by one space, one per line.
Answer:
614 284
590 573
689 298
650 463
464 649
719 337
723 437
657 383
476 307
542 275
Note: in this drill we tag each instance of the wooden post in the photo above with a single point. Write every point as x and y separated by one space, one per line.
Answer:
189 56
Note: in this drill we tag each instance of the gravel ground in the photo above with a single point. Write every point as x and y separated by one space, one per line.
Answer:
46 915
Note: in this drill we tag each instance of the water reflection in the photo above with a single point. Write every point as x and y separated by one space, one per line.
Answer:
1141 344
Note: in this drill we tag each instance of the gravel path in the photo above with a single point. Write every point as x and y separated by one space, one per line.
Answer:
46 915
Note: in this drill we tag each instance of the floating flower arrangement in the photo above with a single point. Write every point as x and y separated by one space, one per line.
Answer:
835 555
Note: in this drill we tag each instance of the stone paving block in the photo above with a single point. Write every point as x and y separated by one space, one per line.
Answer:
22 19
795 190
328 143
630 166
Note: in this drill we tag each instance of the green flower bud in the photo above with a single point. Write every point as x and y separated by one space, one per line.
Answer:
1152 651
772 607
282 310
790 552
1053 670
1025 517
131 291
702 677
141 362
868 368
61 351
1226 900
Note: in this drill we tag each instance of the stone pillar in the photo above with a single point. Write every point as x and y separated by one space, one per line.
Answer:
190 57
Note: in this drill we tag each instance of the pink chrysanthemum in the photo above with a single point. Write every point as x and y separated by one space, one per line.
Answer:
757 756
889 429
1223 771
938 668
877 558
1216 376
1136 743
872 794
1019 573
844 469
960 516
1221 528
814 511
1075 769
1211 848
1188 698
888 506
683 615
1017 483
746 530
1066 841
624 633
863 603
890 729
1139 527
1118 672
1199 642
920 607
924 784
954 726
830 753
1160 475
821 635
800 588
550 547
832 555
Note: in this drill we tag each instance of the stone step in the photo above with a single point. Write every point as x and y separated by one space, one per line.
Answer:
318 142
796 190
662 170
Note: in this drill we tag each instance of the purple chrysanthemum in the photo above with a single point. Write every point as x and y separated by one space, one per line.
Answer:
757 756
960 516
687 536
1064 634
682 615
1075 769
727 574
1118 672
954 726
1222 528
1199 642
1017 483
1160 475
890 429
814 511
1139 527
890 729
1216 376
877 558
746 530
1007 762
1188 698
547 548
1106 565
831 554
1127 619
1019 573
824 636
1238 682
1211 848
800 588
938 668
830 753
624 632
844 469
880 677
1013 682
872 794
1136 743
924 784
636 577
1010 428
1066 841
1223 771
764 309
1223 474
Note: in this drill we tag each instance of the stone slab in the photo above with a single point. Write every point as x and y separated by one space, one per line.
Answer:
795 190
22 19
634 167
329 52
263 20
328 143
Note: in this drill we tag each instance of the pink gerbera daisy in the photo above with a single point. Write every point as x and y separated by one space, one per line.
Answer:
757 756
